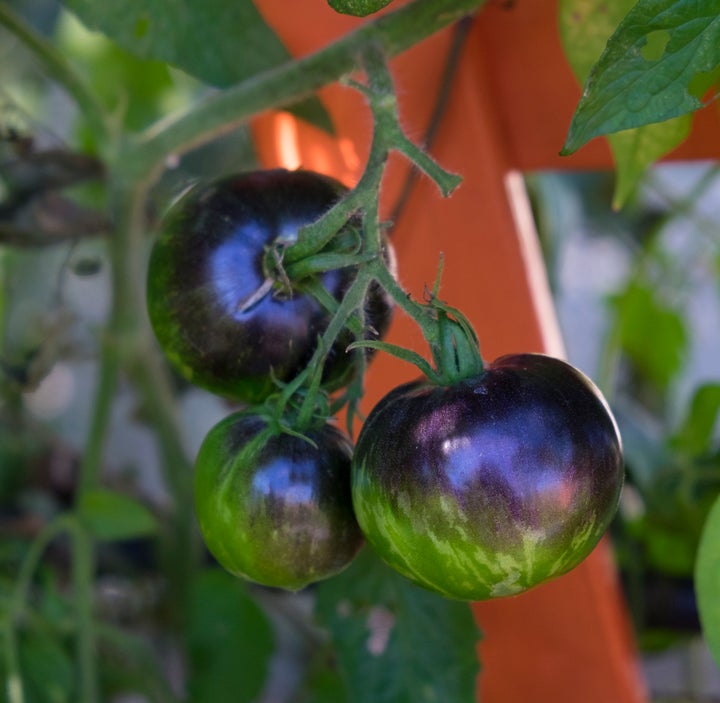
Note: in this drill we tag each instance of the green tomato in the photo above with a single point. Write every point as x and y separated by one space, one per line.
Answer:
276 508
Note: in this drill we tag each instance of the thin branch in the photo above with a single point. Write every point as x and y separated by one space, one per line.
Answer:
392 33
452 62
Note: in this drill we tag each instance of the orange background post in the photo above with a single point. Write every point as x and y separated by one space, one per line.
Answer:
509 108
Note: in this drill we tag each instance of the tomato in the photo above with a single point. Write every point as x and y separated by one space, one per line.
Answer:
207 263
274 508
491 485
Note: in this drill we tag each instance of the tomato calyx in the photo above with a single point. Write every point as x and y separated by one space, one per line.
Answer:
284 274
453 343
456 352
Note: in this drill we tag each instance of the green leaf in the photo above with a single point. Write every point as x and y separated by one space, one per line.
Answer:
396 642
657 65
636 149
643 444
698 428
358 8
229 640
707 581
585 26
135 88
651 333
666 549
129 663
114 516
217 41
324 685
47 669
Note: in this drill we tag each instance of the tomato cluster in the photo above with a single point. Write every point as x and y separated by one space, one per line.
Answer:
478 487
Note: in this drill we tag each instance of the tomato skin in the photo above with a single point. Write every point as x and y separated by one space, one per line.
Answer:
493 485
208 260
273 508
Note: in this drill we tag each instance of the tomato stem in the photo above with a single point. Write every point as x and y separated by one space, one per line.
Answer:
276 88
315 251
352 302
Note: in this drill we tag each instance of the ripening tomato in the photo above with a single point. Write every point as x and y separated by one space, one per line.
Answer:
276 508
491 485
207 263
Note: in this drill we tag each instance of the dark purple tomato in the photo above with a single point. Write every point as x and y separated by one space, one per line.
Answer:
493 485
208 261
274 508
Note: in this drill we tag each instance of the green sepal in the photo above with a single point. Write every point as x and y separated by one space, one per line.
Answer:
456 352
400 353
358 8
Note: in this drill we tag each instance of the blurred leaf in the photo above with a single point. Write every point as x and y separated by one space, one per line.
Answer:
114 516
683 493
128 664
396 642
20 450
652 334
47 669
131 87
643 443
229 640
657 65
217 41
636 149
696 433
707 580
358 8
585 26
666 550
324 685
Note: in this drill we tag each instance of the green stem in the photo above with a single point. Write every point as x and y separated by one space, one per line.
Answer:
128 346
132 339
352 301
460 34
13 684
83 573
392 33
315 288
121 336
32 559
419 313
182 549
447 182
312 238
57 67
92 459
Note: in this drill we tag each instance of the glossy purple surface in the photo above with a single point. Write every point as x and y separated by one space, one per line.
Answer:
491 485
208 260
276 508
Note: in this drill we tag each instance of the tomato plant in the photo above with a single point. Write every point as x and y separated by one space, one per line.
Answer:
272 288
217 323
493 484
276 508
